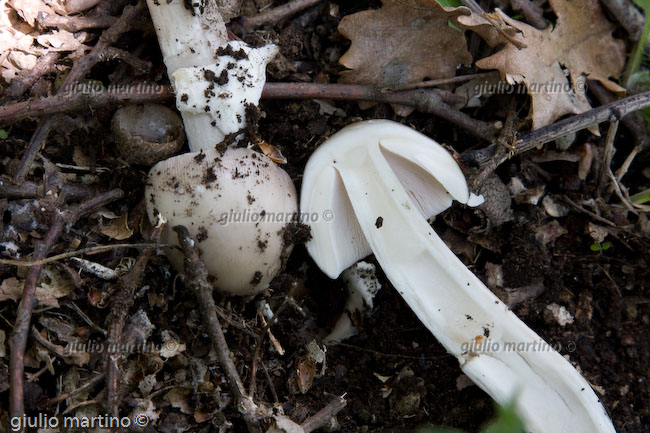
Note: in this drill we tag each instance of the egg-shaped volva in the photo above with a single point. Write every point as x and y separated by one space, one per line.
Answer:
235 205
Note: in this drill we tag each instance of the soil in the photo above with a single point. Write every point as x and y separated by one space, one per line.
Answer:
394 374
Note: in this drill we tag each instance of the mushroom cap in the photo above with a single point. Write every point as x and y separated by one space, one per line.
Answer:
235 207
147 133
427 171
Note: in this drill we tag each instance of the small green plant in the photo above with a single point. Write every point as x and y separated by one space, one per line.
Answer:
505 420
4 134
600 246
637 80
641 197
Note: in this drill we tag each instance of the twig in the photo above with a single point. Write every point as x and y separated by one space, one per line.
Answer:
85 318
628 16
441 82
107 38
634 122
427 101
594 215
26 189
270 382
96 380
611 111
76 100
197 282
35 143
507 135
75 253
77 23
44 65
258 343
139 66
533 13
323 416
608 154
276 14
18 340
122 303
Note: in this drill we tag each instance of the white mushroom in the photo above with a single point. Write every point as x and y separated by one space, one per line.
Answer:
234 204
382 180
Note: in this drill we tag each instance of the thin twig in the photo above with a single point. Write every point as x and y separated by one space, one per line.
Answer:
78 100
277 14
18 340
121 305
628 16
594 215
608 153
35 143
612 111
258 343
109 37
96 380
197 281
76 253
76 23
424 100
323 416
44 65
27 189
441 82
507 135
85 318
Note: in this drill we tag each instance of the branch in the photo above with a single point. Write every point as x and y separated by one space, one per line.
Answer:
18 339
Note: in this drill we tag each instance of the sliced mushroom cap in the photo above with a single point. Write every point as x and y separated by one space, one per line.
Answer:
380 180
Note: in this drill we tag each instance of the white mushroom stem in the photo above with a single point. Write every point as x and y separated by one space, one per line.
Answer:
382 180
362 286
214 79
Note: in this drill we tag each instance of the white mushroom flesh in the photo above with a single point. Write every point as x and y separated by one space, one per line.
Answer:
382 180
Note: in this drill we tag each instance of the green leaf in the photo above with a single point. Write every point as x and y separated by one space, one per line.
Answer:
600 246
641 197
3 134
450 3
506 421
643 4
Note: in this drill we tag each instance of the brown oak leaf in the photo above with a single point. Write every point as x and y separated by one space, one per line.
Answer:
405 41
557 61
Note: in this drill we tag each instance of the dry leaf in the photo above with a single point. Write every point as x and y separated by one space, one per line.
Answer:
557 61
178 397
62 40
53 284
117 229
404 42
29 9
